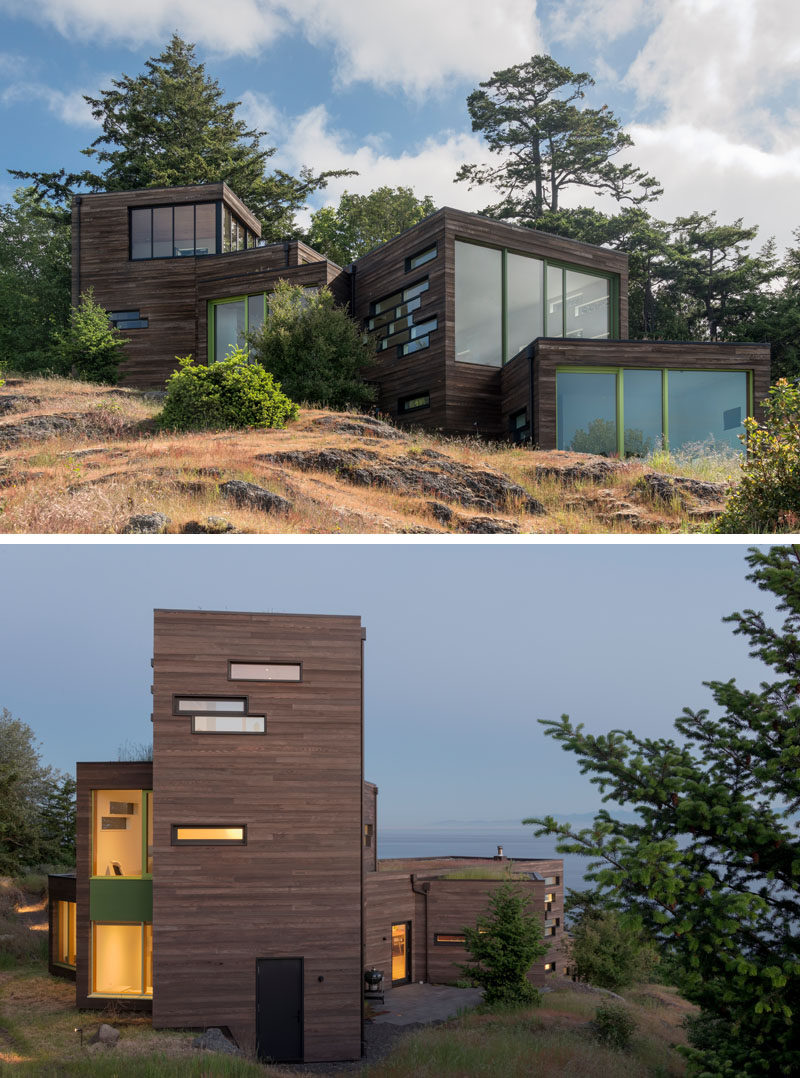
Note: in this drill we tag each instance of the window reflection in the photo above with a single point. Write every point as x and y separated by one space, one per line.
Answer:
478 304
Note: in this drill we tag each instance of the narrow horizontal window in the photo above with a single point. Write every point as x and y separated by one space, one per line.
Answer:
122 316
415 346
396 312
396 298
127 320
265 671
229 724
208 835
551 881
452 939
411 404
186 705
417 260
133 323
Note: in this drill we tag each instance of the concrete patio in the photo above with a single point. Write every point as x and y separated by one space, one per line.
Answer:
410 1004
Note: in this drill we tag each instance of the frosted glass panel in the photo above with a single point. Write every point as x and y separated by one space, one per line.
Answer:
525 302
479 302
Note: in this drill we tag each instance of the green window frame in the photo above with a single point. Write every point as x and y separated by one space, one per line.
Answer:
211 319
619 372
147 851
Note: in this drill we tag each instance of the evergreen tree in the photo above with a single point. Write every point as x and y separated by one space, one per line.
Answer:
547 143
361 222
34 282
170 126
57 821
504 945
712 867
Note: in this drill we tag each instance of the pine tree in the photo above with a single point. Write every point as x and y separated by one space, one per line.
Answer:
712 868
170 126
504 945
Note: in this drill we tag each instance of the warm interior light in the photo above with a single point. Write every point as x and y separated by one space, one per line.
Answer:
117 852
209 834
117 951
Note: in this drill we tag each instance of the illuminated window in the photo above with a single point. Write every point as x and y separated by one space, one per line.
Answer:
119 832
208 835
65 935
550 897
186 705
449 939
264 671
549 967
229 724
368 831
122 959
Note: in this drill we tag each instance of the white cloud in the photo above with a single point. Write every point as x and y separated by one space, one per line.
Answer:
593 19
69 107
418 45
428 168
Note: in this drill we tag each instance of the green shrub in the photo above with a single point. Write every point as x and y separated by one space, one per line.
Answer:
614 1025
232 393
313 348
609 952
90 347
768 496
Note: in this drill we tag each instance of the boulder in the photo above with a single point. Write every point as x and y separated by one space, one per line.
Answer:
105 1034
667 488
441 512
251 496
363 425
146 524
214 1040
487 526
212 526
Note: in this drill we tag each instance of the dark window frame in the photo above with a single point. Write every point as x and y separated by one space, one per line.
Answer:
175 841
264 681
434 247
171 206
176 696
402 402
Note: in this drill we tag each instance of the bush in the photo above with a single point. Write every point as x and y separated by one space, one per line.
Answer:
90 347
313 348
504 945
768 496
232 393
608 952
613 1025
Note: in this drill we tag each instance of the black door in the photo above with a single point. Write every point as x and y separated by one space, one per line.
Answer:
279 1009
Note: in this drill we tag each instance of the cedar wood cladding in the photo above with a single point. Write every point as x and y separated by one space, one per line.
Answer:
464 396
98 776
295 889
172 293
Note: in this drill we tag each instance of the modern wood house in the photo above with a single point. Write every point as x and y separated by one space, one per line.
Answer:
478 326
234 881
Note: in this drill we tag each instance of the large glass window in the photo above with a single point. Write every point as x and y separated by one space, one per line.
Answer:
524 302
174 231
118 833
122 959
706 406
479 296
586 407
643 412
622 410
588 305
230 326
66 935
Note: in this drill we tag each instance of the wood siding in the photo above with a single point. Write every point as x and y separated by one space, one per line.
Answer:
369 817
295 888
388 900
98 776
465 397
172 293
550 353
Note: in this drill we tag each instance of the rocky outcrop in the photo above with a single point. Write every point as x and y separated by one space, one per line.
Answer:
211 526
39 427
364 426
688 492
251 496
146 524
16 402
426 472
214 1040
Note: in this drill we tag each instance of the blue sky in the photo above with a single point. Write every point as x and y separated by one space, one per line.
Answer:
707 88
467 646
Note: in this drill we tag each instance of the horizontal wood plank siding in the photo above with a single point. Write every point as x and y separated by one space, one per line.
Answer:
388 900
381 273
295 888
98 776
551 353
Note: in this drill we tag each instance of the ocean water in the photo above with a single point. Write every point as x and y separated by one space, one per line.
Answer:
479 842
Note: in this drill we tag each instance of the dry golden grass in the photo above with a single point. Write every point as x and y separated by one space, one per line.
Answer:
114 463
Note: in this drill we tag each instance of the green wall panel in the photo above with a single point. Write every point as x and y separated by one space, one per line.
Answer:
113 899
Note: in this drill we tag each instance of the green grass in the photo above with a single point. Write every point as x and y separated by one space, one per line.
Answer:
110 1065
698 460
479 874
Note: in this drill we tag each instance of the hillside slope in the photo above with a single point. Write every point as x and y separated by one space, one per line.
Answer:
79 458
